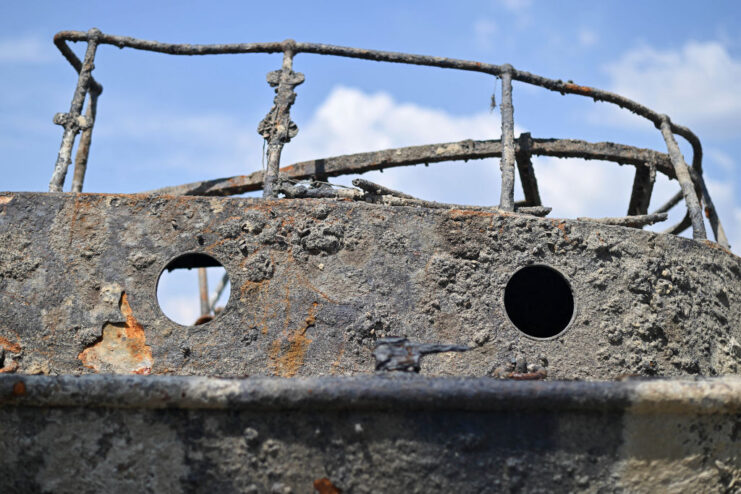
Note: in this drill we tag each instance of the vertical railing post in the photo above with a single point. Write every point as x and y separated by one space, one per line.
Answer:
525 168
83 148
203 292
277 128
507 162
73 121
643 186
685 180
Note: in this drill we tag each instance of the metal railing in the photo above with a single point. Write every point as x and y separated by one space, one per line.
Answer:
278 129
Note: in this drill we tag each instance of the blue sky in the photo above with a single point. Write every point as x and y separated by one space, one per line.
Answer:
166 120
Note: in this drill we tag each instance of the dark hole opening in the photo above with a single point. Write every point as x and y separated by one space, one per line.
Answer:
193 289
193 260
538 301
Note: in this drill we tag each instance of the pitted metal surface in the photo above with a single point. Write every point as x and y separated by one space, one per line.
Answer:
367 434
317 281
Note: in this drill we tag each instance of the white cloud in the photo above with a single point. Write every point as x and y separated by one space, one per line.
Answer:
698 85
26 49
724 160
484 30
197 146
574 187
351 121
587 38
514 5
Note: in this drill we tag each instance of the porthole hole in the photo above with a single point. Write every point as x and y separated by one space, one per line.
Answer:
193 289
539 301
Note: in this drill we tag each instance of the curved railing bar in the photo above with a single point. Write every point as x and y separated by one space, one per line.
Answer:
290 47
358 163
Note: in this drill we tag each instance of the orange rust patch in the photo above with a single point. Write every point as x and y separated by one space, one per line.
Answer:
122 348
19 388
286 363
561 226
578 88
459 213
9 345
325 486
714 245
10 368
6 199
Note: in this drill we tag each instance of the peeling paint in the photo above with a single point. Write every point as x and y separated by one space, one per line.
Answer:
122 348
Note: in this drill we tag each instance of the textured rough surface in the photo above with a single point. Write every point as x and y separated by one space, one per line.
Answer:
315 282
367 434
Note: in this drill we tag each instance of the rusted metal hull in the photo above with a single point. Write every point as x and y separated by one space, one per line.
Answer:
316 282
367 434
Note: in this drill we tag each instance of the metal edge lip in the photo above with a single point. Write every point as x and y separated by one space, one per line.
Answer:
391 393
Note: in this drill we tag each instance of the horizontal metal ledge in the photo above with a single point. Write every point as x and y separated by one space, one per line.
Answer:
393 393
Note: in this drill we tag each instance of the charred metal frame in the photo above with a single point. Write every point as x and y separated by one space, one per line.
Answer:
278 129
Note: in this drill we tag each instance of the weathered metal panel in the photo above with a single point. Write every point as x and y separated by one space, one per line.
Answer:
316 282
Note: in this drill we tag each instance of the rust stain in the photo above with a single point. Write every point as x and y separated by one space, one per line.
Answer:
122 348
714 245
561 226
577 88
9 345
325 486
10 368
462 213
336 364
6 199
19 388
288 359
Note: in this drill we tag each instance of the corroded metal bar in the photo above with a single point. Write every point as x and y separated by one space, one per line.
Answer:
71 121
60 41
83 148
277 128
685 180
378 189
681 226
675 199
525 169
635 221
430 153
507 162
384 56
203 291
643 186
220 287
568 87
719 395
